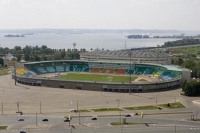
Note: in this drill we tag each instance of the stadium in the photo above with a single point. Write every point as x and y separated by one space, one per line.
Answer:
103 74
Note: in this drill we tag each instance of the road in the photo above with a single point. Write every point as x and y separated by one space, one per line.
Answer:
57 102
160 124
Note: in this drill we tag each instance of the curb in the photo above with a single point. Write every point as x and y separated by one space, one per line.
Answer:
135 115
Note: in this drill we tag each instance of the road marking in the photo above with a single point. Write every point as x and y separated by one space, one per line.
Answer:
194 128
196 102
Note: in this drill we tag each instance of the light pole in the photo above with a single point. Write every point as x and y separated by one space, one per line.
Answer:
156 101
2 108
175 126
196 113
120 117
36 119
40 107
2 103
130 74
118 103
78 113
74 44
15 71
18 106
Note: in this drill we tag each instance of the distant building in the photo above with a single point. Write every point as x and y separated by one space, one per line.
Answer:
9 57
139 56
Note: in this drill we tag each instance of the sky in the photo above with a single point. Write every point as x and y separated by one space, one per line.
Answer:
100 14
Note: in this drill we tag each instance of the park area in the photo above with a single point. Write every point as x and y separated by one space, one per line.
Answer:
97 77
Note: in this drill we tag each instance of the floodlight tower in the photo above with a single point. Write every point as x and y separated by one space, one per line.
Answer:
74 44
130 73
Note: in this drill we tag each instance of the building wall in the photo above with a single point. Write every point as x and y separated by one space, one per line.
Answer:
94 86
186 75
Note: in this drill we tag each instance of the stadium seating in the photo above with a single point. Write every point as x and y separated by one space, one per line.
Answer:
60 69
79 68
121 71
168 75
95 70
107 68
141 71
33 69
23 72
157 73
50 69
108 71
42 70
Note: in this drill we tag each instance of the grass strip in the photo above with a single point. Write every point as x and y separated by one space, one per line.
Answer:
83 110
4 71
3 127
106 109
176 105
149 107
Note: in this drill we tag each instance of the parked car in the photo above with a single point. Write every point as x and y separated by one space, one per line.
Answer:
67 120
45 119
21 119
22 131
94 118
72 110
128 115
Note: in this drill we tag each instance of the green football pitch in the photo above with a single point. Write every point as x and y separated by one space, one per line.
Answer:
97 77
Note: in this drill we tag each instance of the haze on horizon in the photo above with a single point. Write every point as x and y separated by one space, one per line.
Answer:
100 14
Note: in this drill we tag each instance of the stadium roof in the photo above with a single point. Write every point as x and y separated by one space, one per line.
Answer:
169 67
172 68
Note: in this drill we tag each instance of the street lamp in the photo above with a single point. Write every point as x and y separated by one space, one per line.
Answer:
130 73
15 71
196 113
175 126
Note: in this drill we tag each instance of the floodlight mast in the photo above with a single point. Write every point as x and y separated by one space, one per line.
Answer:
74 44
15 71
130 73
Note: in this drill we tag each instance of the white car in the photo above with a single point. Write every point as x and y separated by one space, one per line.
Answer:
72 110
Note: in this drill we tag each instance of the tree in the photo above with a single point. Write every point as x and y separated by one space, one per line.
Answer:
27 50
19 57
180 61
36 57
63 54
57 55
192 88
1 62
43 58
17 48
76 55
44 47
26 57
184 85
